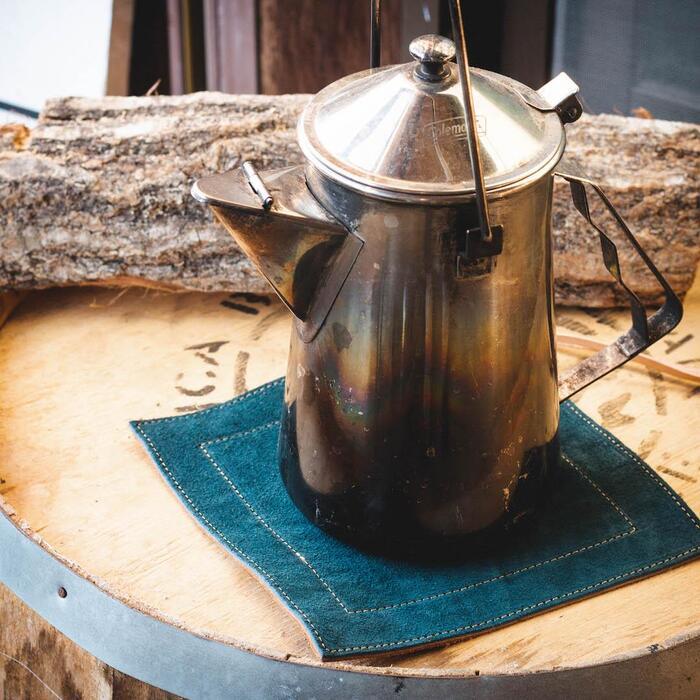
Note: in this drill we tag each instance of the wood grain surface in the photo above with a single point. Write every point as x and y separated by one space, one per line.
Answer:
99 192
37 662
78 364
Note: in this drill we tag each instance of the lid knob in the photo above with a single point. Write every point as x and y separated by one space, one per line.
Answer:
433 51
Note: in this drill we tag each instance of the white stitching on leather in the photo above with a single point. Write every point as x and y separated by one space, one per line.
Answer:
434 596
534 606
624 450
621 448
203 447
218 532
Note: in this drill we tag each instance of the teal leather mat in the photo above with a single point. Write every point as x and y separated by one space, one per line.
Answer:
609 519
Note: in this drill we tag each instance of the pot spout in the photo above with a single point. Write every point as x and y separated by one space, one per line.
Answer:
302 251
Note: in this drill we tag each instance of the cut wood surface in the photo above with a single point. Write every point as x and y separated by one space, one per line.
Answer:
101 193
78 364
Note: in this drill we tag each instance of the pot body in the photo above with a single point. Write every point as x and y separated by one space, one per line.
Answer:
427 407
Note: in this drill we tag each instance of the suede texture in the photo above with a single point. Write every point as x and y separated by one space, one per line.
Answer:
608 519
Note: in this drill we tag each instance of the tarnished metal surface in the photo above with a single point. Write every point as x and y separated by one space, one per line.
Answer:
421 392
292 242
427 404
421 396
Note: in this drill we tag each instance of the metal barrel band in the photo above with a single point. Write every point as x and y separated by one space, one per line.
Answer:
645 330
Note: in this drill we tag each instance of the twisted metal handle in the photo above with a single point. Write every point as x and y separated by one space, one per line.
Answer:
645 331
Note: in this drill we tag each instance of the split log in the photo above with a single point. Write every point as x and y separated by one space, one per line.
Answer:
99 193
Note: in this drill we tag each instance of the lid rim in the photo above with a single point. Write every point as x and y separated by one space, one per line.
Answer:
439 198
552 141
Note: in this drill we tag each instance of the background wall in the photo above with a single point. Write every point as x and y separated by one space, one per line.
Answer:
631 54
52 47
628 56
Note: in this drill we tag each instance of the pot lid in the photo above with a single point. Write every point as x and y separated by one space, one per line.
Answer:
399 132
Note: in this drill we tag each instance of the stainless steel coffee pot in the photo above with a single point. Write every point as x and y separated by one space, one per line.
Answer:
414 249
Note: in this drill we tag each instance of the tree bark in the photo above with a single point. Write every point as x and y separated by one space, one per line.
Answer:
100 192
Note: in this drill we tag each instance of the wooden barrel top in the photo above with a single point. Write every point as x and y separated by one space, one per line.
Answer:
77 364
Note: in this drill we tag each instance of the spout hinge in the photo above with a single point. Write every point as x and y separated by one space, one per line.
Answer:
257 185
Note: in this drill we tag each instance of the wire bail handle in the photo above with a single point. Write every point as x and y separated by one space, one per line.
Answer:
486 233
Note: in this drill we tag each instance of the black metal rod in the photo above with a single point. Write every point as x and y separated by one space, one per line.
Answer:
375 34
470 118
20 110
